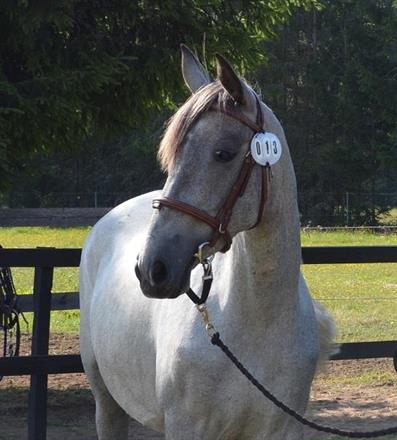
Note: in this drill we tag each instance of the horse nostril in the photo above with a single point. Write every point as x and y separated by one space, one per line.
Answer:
158 273
137 271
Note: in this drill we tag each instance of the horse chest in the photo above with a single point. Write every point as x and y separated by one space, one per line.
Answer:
196 379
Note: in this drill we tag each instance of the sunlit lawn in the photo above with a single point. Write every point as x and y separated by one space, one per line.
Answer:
65 279
362 297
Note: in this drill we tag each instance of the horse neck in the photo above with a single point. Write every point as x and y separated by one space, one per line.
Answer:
264 263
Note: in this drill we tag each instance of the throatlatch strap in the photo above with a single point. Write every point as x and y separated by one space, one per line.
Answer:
264 194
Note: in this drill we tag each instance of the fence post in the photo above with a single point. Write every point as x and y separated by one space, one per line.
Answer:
37 416
347 209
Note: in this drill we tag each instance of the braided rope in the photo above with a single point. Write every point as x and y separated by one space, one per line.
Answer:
216 340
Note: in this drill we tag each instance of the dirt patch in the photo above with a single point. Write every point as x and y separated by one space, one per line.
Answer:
354 395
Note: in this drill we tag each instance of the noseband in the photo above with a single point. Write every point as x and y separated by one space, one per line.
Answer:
220 222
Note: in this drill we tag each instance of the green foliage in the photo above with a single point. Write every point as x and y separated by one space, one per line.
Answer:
116 169
332 79
85 88
75 70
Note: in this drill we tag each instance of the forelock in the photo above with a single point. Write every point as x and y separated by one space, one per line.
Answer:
179 124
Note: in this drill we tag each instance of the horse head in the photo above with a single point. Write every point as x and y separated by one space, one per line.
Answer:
204 150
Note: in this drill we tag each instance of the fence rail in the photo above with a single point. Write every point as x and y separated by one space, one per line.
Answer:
70 257
42 301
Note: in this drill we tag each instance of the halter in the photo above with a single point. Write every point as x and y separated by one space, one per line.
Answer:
220 222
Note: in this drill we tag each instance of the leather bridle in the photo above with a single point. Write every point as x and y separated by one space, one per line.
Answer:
221 221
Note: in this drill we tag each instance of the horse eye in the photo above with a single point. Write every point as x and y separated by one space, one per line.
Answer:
224 156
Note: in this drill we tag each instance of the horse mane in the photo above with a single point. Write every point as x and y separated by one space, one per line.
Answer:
179 124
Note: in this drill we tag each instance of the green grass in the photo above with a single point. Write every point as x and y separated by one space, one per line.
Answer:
362 297
43 236
367 378
347 238
65 279
390 217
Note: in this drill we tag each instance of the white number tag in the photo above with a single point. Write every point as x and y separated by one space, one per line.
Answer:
266 148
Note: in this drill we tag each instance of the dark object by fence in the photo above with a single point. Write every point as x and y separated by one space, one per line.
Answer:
40 364
9 314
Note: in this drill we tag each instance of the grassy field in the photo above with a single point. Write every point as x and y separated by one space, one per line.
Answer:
65 279
362 297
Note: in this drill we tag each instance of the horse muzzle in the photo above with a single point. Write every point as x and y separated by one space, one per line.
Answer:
162 277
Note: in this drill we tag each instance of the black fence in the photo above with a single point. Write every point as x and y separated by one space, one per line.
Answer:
43 301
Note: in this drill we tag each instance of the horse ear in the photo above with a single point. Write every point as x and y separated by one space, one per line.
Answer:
229 79
193 72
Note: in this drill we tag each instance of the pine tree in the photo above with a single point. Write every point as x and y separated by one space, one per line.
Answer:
74 70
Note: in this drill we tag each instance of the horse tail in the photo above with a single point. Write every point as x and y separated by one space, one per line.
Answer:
327 332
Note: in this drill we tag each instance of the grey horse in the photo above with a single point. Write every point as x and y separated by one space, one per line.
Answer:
143 343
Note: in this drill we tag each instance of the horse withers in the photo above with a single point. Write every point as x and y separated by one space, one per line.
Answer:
143 344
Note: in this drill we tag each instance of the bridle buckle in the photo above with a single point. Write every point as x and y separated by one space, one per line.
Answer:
205 261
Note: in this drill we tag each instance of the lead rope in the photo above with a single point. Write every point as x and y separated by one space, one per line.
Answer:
216 340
